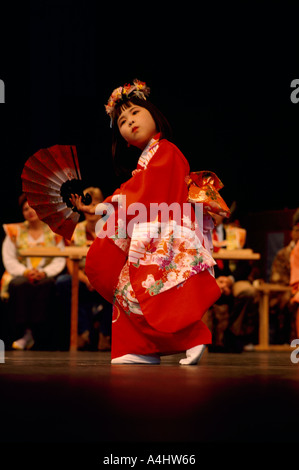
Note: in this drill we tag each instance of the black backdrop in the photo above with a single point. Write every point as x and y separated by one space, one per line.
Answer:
221 76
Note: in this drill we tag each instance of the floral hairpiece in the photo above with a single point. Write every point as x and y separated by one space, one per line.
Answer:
123 92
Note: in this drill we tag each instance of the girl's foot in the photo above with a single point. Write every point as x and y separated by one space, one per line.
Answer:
136 359
193 355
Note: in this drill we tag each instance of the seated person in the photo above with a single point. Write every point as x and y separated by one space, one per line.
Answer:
233 319
294 282
94 312
282 308
28 283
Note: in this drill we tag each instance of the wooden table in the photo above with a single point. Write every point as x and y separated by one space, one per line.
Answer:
265 289
75 254
242 254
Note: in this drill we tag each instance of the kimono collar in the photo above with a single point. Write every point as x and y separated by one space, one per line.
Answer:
148 153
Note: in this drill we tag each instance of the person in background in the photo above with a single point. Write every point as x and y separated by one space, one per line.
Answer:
294 282
233 318
282 309
94 313
28 283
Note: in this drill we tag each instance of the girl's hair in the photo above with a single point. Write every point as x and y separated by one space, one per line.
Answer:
125 158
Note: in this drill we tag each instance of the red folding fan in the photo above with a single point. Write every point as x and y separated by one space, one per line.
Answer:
49 178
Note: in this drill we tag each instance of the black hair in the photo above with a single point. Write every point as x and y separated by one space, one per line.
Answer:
22 199
125 158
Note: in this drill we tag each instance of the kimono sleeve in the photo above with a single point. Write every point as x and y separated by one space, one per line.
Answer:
162 181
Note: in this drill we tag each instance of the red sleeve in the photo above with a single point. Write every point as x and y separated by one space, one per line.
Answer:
162 181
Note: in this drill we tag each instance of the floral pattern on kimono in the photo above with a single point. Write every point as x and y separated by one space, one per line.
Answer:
173 256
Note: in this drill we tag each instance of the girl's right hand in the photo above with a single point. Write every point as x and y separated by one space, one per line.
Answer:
77 202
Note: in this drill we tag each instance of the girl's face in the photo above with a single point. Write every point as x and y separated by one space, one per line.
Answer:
137 126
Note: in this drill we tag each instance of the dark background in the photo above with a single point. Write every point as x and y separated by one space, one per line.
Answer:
221 76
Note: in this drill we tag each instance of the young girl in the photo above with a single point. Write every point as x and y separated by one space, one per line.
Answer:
158 276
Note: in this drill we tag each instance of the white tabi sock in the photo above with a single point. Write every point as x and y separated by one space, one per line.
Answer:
193 355
135 359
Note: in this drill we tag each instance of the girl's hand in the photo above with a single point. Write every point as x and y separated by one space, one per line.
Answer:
77 202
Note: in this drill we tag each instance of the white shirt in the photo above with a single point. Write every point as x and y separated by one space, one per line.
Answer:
15 268
220 232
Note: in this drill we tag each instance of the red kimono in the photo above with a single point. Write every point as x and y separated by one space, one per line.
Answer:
157 273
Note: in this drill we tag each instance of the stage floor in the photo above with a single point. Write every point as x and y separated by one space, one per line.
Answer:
80 397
